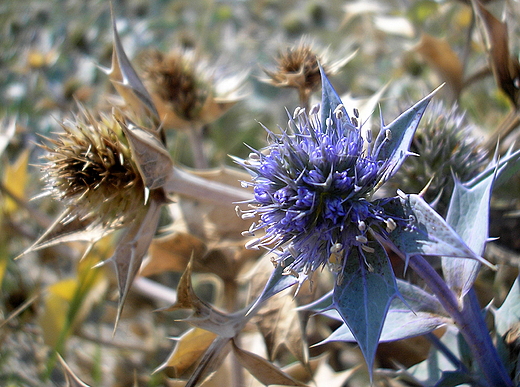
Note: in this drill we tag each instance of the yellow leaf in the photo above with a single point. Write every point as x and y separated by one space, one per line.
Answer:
188 350
15 180
54 317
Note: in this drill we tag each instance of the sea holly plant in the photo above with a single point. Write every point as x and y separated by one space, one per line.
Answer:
314 191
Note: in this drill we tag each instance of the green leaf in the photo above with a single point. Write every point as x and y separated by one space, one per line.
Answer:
362 295
421 314
393 141
425 232
278 281
330 100
509 313
468 214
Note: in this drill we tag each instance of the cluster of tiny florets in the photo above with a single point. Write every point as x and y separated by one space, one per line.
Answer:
447 147
90 170
312 188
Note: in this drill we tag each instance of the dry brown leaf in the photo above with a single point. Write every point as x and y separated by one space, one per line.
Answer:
205 315
190 347
127 82
438 54
150 155
264 371
280 325
506 68
172 253
132 248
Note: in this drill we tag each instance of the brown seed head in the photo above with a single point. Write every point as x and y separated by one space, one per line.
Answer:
297 68
174 79
90 169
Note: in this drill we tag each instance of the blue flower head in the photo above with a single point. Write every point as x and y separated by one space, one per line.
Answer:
313 186
313 201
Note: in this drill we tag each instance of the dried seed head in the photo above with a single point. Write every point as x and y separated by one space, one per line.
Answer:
297 67
90 169
185 89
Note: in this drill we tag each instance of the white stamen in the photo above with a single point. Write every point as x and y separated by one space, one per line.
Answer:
361 226
315 109
361 239
388 134
390 225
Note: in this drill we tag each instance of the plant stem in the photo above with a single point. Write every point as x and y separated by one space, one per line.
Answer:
188 184
196 138
470 322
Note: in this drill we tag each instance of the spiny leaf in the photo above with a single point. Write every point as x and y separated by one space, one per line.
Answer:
278 281
509 312
330 100
280 325
421 314
204 315
264 371
150 155
126 81
468 214
426 232
393 141
362 295
132 248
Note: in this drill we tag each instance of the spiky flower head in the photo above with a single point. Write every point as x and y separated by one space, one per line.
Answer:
90 170
447 147
313 186
185 88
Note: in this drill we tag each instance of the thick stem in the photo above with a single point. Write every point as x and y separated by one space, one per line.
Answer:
196 139
187 184
469 321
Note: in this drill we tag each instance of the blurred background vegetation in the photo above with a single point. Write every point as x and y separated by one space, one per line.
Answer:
50 51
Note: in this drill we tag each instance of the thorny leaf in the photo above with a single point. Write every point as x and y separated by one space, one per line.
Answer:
263 370
427 232
506 67
150 154
127 82
204 315
509 312
394 139
362 296
421 314
70 377
279 324
132 248
188 350
468 214
439 55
